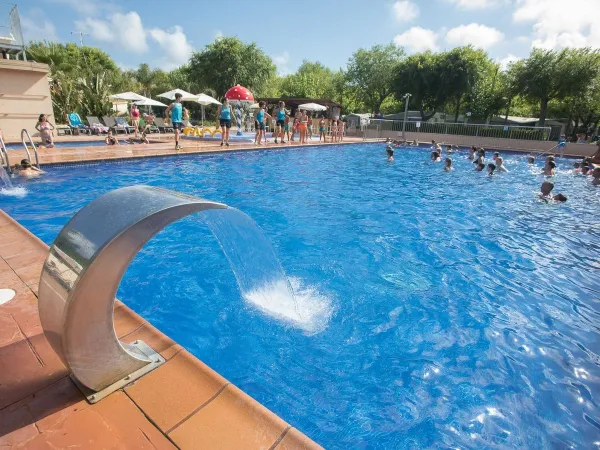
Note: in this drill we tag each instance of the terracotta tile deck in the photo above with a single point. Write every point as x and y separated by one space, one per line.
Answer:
160 146
182 404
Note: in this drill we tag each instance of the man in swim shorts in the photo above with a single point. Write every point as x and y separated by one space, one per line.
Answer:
176 110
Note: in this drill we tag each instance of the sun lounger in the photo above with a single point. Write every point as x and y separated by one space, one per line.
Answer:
160 123
110 123
96 125
77 125
122 122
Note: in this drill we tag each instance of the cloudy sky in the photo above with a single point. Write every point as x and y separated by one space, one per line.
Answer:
164 33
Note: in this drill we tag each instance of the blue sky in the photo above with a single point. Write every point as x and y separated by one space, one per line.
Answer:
164 33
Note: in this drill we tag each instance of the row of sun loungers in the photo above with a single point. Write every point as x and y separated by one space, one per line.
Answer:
116 124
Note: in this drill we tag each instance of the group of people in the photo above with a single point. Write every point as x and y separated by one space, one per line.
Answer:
477 156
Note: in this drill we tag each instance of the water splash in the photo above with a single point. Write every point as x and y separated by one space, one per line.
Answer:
5 178
14 191
260 277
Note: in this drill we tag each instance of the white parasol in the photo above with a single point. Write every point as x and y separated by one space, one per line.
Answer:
149 102
128 96
185 96
312 107
204 100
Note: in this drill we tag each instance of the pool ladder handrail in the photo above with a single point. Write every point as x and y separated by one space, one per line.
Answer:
24 133
4 155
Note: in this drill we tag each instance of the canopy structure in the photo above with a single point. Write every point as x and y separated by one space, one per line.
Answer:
239 95
312 107
149 102
127 96
186 96
204 100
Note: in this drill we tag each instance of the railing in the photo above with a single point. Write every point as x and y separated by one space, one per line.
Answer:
24 133
4 155
462 129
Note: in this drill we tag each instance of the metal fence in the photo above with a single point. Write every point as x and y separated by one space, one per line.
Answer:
378 128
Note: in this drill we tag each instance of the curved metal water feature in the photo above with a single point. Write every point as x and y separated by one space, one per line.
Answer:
81 276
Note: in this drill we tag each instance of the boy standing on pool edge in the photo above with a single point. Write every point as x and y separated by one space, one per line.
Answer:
176 110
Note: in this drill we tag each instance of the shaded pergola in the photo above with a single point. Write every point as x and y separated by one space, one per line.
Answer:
293 103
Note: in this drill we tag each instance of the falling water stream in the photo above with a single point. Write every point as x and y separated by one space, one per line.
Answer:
259 274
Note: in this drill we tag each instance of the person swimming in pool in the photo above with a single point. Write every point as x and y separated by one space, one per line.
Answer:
449 149
472 152
27 170
390 152
479 167
500 165
480 157
496 155
549 170
491 168
110 139
435 156
448 165
596 176
531 160
546 190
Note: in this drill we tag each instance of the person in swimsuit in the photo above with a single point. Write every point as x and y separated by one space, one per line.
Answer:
280 114
448 167
390 152
259 117
531 160
500 164
491 168
309 126
596 177
472 151
549 170
435 156
26 169
45 128
110 139
341 126
176 110
562 143
334 130
135 118
303 126
224 115
322 130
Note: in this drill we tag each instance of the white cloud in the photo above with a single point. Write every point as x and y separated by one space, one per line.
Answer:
124 30
405 11
553 29
475 4
417 39
282 61
474 34
505 62
175 45
37 27
83 7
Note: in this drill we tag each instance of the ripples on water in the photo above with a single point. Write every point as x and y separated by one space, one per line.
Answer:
453 310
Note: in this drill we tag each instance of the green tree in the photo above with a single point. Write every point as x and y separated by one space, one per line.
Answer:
95 89
421 76
371 72
229 61
312 80
556 75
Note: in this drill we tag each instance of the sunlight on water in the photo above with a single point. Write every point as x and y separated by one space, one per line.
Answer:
313 309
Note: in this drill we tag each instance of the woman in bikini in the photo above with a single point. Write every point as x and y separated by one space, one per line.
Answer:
334 130
341 126
135 118
45 128
303 127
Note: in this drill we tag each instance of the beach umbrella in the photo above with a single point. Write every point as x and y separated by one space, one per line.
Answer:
239 95
149 102
312 107
127 96
204 100
186 96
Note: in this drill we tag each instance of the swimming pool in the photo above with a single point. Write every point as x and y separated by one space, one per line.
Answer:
63 144
463 312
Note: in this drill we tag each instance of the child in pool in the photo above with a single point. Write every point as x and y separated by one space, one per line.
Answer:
479 167
449 149
546 190
585 170
531 160
491 168
472 151
480 156
560 198
500 165
435 156
448 167
110 139
496 156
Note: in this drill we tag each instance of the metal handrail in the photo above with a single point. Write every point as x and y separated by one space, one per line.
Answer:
4 154
37 159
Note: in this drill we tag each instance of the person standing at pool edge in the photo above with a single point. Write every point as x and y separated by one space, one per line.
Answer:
224 115
176 110
259 117
280 116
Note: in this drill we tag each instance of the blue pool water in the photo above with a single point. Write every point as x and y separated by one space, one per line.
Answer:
19 146
444 310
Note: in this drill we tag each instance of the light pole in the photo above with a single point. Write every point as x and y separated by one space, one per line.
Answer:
407 98
81 34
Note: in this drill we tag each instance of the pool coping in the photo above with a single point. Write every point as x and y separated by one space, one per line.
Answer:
181 404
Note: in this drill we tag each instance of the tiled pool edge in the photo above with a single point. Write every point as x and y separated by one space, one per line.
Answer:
183 403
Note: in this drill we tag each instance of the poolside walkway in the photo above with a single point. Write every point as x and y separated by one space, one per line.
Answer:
181 404
160 146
